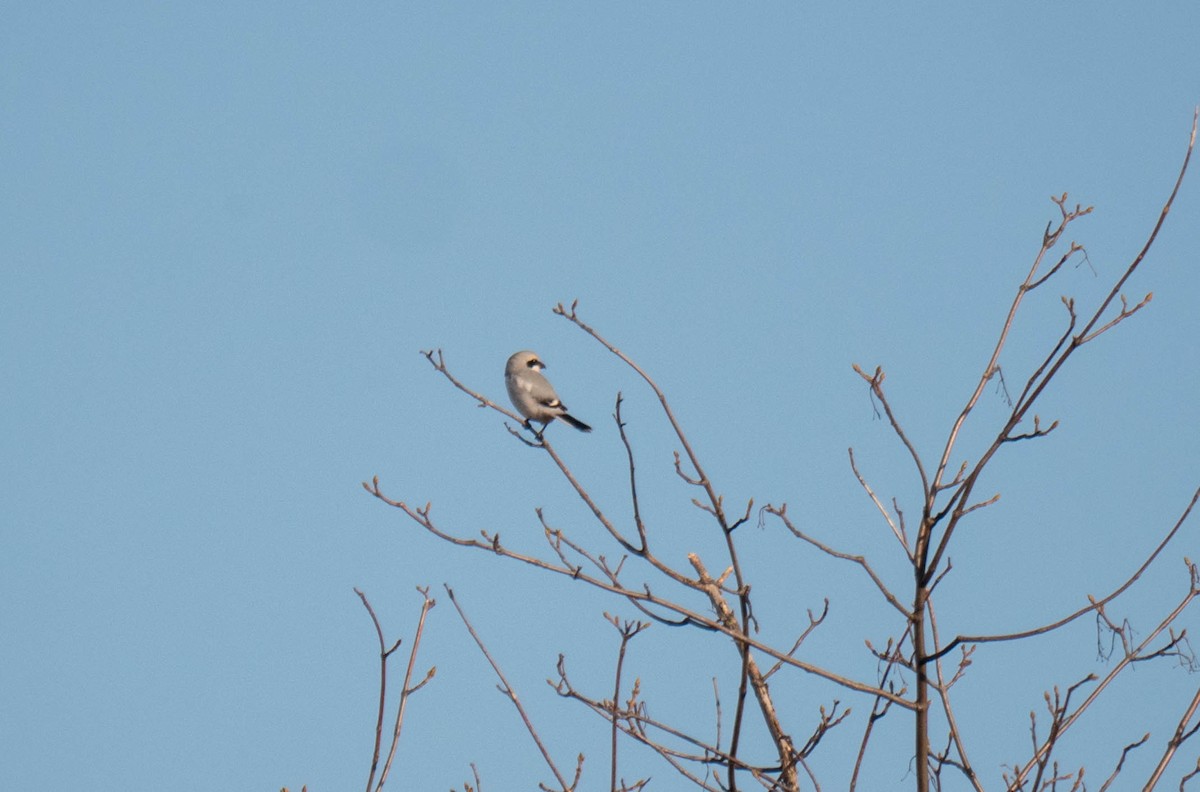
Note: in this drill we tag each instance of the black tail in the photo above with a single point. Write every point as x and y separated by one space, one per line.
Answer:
578 424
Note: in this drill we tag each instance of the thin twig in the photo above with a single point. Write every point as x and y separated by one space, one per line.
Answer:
1121 763
897 530
407 689
1181 734
781 513
384 653
1092 606
491 543
507 690
1042 752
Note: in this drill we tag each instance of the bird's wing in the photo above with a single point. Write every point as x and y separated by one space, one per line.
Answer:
540 389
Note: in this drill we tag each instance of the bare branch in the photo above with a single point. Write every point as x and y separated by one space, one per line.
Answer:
897 530
875 381
633 493
1124 754
813 623
1066 721
954 735
406 690
1182 733
1092 606
1124 314
1038 431
783 742
1049 239
628 631
384 652
507 690
781 513
702 478
440 366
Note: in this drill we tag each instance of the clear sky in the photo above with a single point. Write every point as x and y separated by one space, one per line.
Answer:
228 229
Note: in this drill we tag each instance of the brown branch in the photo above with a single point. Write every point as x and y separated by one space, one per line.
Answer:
633 493
507 690
1075 247
1181 734
783 742
628 631
880 707
1047 371
1121 763
1041 753
634 722
781 513
384 653
543 444
813 623
943 687
440 366
571 316
1054 362
715 507
897 530
1162 217
405 691
1092 606
1124 314
478 783
1048 241
875 381
1038 431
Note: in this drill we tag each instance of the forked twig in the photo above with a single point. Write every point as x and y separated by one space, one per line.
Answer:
406 690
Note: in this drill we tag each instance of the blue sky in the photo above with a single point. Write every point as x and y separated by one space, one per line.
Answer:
229 229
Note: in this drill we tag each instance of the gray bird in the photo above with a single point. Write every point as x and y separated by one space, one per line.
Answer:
533 395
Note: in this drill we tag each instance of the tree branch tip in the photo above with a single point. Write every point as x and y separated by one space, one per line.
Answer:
561 311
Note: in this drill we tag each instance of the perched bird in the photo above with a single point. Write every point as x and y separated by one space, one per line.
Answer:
533 395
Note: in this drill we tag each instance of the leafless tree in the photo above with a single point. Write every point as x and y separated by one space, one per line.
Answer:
918 666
